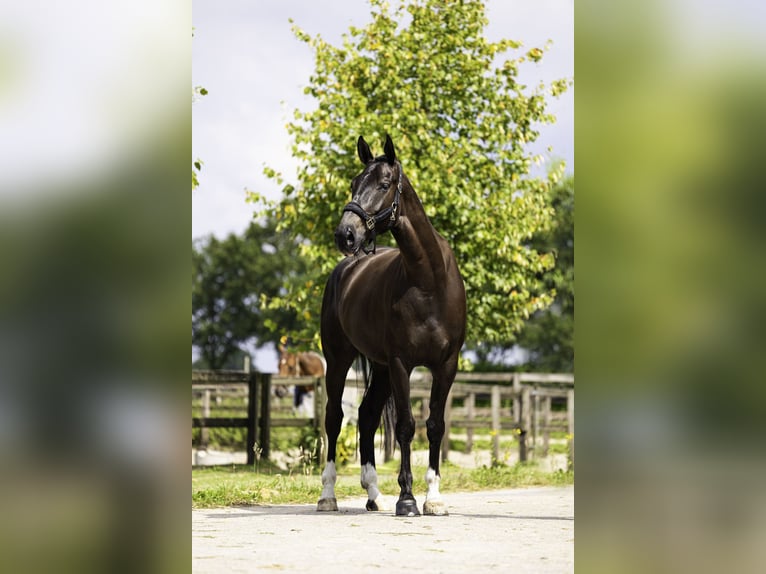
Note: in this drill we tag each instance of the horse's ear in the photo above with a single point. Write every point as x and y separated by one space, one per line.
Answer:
363 150
389 150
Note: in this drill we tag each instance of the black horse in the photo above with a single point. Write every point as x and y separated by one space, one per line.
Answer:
399 308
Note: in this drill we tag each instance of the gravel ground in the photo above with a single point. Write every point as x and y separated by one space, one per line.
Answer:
529 530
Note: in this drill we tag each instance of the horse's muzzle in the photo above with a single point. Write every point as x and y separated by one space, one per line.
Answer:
346 240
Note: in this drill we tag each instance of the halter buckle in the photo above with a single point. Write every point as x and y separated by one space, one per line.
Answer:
370 223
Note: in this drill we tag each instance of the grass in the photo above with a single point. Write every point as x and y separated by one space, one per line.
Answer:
266 483
241 485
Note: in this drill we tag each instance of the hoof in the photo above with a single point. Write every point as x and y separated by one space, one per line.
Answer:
407 507
327 504
376 505
435 508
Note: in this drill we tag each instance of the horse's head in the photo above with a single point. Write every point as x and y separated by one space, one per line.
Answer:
288 362
374 206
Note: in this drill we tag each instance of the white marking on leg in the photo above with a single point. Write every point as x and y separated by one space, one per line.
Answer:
328 481
432 481
369 480
434 504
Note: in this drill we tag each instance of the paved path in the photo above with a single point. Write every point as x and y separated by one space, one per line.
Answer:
521 531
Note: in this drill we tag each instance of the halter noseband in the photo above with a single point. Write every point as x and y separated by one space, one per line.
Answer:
387 214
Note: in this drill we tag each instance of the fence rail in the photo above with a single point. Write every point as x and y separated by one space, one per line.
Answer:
531 415
259 421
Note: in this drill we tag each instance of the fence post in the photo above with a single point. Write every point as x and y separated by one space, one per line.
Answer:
265 426
496 423
535 420
420 431
252 415
546 424
470 402
317 399
204 433
516 397
525 421
570 426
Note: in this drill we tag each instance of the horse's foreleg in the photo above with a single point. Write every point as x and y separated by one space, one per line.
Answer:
369 420
442 381
327 500
435 430
405 430
333 421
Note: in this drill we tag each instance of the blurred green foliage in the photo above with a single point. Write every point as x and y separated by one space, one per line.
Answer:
94 311
670 327
425 73
548 335
95 219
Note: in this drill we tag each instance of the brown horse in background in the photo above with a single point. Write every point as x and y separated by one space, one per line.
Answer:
300 364
398 308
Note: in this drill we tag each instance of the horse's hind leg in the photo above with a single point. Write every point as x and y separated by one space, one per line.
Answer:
442 381
369 419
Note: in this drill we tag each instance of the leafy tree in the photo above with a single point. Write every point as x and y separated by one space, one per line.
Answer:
196 168
234 362
228 278
197 163
548 336
197 92
549 333
425 73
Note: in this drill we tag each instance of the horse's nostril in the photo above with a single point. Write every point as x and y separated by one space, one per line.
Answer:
345 238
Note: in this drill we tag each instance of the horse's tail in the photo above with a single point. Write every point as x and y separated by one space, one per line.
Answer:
389 422
389 409
366 368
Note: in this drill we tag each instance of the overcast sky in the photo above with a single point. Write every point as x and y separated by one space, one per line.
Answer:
255 70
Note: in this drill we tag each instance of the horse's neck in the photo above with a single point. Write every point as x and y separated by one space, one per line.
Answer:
418 241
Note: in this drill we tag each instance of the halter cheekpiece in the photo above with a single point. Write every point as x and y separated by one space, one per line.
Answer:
372 222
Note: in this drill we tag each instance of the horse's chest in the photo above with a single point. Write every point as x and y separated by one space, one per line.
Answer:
416 315
412 306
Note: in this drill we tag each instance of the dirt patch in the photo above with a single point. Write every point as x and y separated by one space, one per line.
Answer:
524 530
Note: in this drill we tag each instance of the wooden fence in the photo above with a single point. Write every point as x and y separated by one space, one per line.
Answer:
531 414
520 402
259 421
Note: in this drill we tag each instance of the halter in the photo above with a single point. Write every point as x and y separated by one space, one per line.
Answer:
387 214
